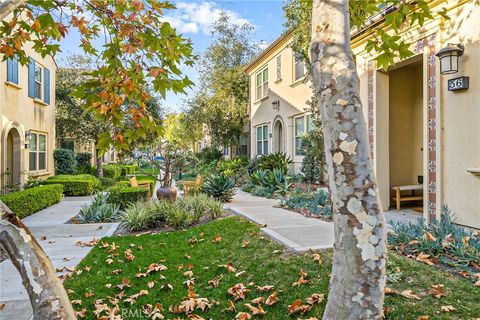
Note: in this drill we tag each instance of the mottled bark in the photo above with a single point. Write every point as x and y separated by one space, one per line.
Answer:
358 277
7 6
48 297
98 159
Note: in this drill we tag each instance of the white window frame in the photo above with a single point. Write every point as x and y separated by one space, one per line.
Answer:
263 141
295 63
37 152
261 89
307 127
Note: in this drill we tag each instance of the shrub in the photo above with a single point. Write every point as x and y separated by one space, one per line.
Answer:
267 184
123 195
273 161
64 161
309 202
220 187
76 185
313 163
107 182
128 169
99 210
175 214
444 241
29 201
140 216
84 159
112 171
210 154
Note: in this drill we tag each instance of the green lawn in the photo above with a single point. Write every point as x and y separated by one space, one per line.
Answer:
264 263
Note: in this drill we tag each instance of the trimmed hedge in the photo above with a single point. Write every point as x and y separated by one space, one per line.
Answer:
128 169
123 194
64 161
29 201
76 185
112 171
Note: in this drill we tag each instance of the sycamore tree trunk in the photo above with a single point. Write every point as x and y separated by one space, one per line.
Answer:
358 278
48 297
98 159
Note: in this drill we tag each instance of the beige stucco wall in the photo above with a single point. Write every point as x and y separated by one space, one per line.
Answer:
20 111
293 97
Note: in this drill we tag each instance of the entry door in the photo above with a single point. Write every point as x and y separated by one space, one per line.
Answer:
381 145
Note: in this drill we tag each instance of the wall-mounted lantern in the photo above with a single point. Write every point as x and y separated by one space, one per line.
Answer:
276 104
28 136
449 57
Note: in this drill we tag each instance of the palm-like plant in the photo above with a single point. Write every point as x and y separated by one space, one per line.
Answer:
220 187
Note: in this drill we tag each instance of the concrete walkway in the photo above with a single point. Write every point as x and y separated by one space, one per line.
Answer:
60 246
295 231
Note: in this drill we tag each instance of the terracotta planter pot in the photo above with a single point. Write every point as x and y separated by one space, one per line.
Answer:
167 193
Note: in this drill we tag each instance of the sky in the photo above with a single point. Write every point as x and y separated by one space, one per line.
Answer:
193 19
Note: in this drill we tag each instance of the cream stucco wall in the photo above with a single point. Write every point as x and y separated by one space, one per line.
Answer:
19 111
292 95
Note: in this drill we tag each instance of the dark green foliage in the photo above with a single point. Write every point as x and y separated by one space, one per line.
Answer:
273 161
128 169
99 210
209 154
64 161
268 184
24 203
315 203
112 171
84 159
76 185
107 182
220 187
313 164
122 194
451 245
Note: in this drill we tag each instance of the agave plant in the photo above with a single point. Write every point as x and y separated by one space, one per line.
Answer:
273 161
220 187
99 210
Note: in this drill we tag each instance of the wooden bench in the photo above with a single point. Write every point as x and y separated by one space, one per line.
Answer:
142 184
192 186
398 197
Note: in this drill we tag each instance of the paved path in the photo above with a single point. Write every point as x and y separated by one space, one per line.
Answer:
60 243
293 230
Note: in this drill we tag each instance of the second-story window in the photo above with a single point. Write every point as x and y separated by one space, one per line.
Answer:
279 67
261 84
38 81
298 66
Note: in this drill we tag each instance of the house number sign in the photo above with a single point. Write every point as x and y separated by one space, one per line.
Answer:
459 83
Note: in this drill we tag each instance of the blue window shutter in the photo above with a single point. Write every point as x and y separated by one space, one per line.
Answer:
31 78
46 87
10 69
15 70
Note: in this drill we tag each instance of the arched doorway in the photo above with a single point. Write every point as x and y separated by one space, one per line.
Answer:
278 136
13 159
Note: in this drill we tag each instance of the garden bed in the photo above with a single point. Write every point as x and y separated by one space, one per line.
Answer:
214 257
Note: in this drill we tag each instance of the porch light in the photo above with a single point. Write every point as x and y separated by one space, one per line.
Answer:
449 57
276 104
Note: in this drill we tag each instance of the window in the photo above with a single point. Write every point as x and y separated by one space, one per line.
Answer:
67 144
299 67
37 157
262 139
38 81
279 67
303 124
12 70
261 84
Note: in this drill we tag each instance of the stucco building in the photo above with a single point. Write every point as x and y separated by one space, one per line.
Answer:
421 133
27 118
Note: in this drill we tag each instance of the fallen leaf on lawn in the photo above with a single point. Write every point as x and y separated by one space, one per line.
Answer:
437 290
410 294
464 274
81 314
264 288
128 255
424 258
70 291
258 300
215 282
189 282
109 261
108 285
192 240
195 317
228 266
317 258
239 274
76 302
414 242
231 306
217 238
302 279
423 318
87 268
238 291
243 316
151 284
272 299
447 308
91 243
277 251
315 298
245 244
477 284
389 290
188 274
255 310
187 256
297 307
89 294
428 236
166 286
125 283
